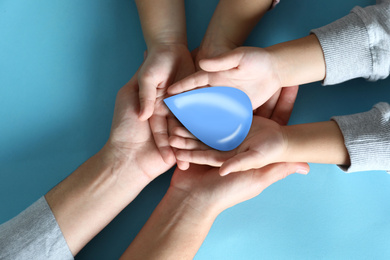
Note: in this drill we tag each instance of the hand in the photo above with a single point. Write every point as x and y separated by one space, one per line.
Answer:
161 123
253 70
164 64
208 190
279 107
132 138
265 144
203 52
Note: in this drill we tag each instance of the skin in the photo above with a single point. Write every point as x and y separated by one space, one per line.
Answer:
230 26
183 218
228 29
88 199
268 143
169 60
259 73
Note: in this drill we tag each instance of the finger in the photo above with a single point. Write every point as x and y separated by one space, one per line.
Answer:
226 61
278 171
194 53
205 157
285 105
267 108
173 123
186 144
147 97
158 126
242 162
198 79
183 165
182 132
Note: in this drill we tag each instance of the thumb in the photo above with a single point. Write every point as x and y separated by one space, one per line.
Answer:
278 171
147 98
226 61
242 162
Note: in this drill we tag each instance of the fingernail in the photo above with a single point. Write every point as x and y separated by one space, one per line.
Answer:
224 173
302 171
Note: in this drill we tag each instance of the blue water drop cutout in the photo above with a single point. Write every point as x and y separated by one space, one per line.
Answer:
220 117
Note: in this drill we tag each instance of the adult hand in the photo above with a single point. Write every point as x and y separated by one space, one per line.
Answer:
211 192
89 198
180 223
131 138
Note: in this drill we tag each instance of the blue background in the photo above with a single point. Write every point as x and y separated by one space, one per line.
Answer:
61 64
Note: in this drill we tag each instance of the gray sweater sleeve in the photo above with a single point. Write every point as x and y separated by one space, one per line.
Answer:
33 234
367 138
357 45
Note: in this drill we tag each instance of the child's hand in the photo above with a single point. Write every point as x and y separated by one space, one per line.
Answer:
265 144
253 70
164 64
202 53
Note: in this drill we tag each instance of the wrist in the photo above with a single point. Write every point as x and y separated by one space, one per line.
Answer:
166 40
121 162
320 142
166 46
102 186
299 61
175 230
210 49
163 21
195 204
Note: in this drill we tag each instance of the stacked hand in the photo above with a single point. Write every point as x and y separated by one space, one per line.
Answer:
213 193
163 65
131 138
253 70
265 144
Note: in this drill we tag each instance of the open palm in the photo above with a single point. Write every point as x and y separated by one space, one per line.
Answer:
131 137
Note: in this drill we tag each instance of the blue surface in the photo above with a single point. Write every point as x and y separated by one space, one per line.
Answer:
61 64
220 117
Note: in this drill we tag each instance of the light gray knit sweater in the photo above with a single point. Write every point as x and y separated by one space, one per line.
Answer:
358 45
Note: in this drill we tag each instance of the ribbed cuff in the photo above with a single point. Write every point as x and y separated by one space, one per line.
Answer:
367 138
345 44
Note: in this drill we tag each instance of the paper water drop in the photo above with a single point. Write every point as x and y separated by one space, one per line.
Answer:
220 117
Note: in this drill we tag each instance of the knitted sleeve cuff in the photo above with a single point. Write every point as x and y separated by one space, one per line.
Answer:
367 138
345 45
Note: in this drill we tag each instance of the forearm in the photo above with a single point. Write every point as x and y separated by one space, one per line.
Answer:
162 21
232 22
85 202
321 142
299 61
175 230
